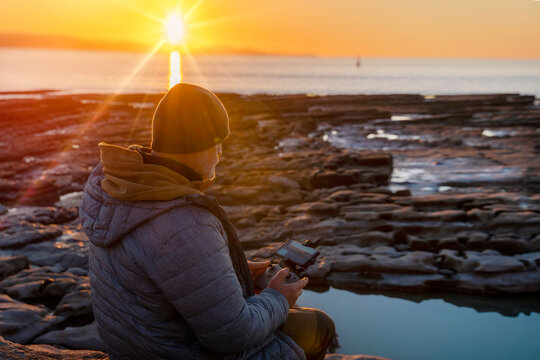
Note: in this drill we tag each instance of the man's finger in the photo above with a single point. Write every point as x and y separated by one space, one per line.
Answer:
281 275
261 264
303 282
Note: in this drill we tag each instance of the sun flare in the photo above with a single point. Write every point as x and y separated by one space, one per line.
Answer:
175 28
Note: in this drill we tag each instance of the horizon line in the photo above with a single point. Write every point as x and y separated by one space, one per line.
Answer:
62 42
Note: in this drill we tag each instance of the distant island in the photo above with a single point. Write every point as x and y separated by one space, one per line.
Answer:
18 40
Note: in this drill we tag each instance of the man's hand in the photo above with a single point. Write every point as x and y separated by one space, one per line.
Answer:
291 291
257 268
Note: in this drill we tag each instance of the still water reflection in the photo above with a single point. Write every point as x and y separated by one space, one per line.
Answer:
433 329
175 69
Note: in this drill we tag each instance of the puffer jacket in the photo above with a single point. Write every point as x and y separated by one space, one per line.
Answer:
164 286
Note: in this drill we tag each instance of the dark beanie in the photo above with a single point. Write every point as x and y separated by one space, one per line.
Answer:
188 119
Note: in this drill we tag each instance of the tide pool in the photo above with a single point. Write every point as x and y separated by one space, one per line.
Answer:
430 330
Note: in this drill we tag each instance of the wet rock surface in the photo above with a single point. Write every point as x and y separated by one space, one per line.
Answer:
82 337
20 322
353 357
12 264
13 351
407 194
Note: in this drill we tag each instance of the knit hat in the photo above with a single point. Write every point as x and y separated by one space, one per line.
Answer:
188 119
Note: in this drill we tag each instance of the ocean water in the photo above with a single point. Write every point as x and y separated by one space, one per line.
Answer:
101 71
369 324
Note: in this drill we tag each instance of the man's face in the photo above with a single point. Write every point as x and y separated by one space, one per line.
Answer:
215 154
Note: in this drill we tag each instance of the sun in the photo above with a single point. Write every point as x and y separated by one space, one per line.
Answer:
175 28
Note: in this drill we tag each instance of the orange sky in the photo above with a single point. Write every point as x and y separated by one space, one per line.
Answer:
432 28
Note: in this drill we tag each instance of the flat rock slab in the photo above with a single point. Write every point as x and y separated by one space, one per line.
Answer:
66 253
41 283
71 200
76 303
83 337
353 357
13 351
20 322
23 234
417 262
521 282
501 283
10 265
43 214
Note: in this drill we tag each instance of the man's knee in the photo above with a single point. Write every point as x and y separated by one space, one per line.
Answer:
325 327
313 330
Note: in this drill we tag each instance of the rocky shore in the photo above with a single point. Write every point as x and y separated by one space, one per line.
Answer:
408 194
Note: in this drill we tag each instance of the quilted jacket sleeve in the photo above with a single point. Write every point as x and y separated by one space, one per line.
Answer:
192 267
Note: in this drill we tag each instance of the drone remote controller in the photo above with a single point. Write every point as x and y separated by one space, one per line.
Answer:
262 281
297 257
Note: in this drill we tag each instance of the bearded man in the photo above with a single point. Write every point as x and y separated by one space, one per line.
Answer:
168 274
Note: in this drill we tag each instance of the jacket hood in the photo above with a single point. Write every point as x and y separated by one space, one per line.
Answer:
127 177
105 218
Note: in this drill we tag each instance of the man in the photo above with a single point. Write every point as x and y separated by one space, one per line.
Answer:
168 274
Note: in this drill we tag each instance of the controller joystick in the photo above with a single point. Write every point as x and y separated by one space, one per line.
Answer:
262 281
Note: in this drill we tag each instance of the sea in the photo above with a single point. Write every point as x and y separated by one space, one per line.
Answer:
124 72
392 326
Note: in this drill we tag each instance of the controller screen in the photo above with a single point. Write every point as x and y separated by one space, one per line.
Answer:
296 252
